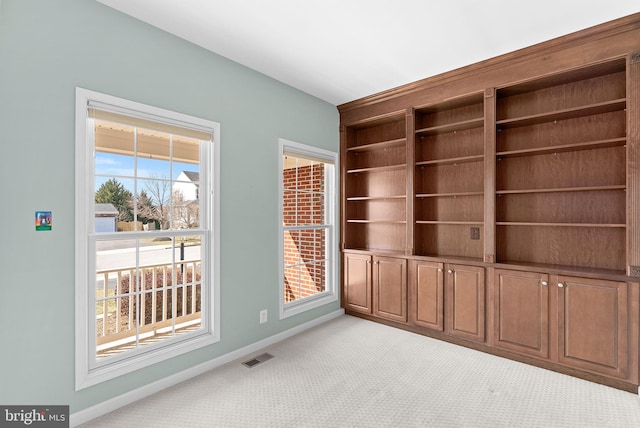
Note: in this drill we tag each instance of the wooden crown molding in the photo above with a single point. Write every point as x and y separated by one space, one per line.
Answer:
607 29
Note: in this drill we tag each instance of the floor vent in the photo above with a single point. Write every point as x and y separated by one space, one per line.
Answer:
257 360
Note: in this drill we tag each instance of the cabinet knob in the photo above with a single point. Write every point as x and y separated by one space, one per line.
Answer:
560 285
450 271
439 270
544 282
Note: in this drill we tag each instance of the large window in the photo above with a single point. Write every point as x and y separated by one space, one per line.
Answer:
146 252
308 232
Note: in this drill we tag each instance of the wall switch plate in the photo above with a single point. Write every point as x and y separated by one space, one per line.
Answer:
475 233
264 316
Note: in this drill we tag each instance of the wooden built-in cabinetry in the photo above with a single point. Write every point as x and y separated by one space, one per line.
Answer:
376 285
375 176
561 169
574 321
448 297
498 206
522 315
448 178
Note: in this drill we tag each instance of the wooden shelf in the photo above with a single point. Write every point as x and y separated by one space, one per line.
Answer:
562 189
452 127
468 223
378 145
588 225
375 198
590 145
448 195
378 169
377 221
563 114
374 250
452 161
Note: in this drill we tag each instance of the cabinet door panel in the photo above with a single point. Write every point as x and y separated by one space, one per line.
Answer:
593 325
427 299
390 288
357 282
522 312
465 302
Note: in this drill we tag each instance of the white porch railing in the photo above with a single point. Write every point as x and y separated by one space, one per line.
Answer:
135 305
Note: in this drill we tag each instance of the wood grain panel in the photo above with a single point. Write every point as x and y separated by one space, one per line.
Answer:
466 108
357 282
390 288
385 237
490 175
377 158
522 312
447 240
465 297
568 246
373 133
464 177
593 325
375 184
377 210
598 167
409 185
458 208
605 207
556 133
427 294
633 164
569 95
468 142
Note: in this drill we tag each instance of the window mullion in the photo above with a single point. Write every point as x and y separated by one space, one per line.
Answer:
136 196
171 219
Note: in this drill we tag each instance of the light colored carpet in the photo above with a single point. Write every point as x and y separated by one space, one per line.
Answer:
355 373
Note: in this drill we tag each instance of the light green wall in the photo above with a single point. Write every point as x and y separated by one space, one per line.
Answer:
47 48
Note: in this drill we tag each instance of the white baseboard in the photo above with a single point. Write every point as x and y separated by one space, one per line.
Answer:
125 399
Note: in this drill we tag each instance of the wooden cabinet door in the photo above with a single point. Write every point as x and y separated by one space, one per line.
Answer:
592 324
465 297
357 282
390 288
521 322
427 294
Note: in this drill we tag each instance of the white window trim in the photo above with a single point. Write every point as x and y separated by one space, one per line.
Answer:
331 291
85 375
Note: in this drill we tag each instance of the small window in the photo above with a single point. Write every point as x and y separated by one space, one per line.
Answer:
308 227
146 198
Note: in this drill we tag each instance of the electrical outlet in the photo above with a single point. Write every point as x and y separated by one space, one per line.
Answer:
264 316
475 233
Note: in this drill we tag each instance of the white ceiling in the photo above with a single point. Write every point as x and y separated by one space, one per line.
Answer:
341 50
